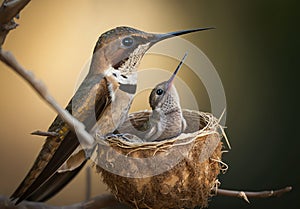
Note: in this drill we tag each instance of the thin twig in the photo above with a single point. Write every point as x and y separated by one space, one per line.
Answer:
8 58
44 133
246 194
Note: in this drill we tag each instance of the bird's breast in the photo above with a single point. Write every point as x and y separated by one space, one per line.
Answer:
114 115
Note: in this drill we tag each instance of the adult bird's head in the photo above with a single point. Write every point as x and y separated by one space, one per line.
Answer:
122 48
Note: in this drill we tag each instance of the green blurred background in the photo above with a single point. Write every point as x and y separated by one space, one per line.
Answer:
254 49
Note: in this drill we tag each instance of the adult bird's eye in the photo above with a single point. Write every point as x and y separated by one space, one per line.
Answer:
159 91
128 41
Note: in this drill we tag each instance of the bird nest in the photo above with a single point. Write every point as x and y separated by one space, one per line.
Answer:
180 172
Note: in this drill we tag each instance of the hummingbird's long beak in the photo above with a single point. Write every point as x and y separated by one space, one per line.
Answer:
171 79
160 37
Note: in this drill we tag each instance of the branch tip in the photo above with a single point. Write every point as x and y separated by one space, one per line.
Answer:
244 196
45 133
247 194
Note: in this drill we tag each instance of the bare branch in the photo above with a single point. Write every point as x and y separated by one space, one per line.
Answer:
8 11
247 194
41 89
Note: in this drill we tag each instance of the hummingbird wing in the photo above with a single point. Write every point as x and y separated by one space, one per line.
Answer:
53 185
58 149
59 179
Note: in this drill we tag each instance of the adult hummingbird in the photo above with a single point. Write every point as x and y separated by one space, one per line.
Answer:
166 120
101 103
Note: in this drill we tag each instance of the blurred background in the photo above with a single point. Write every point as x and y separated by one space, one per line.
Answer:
254 49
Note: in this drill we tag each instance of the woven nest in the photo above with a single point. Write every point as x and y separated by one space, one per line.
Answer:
177 173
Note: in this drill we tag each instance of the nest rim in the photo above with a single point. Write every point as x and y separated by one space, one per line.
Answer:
212 126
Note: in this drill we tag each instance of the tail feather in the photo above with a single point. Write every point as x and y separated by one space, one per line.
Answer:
54 185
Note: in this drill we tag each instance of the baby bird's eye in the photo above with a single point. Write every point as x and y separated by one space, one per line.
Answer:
159 91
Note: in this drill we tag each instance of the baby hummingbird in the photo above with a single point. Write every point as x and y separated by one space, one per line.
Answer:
166 120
